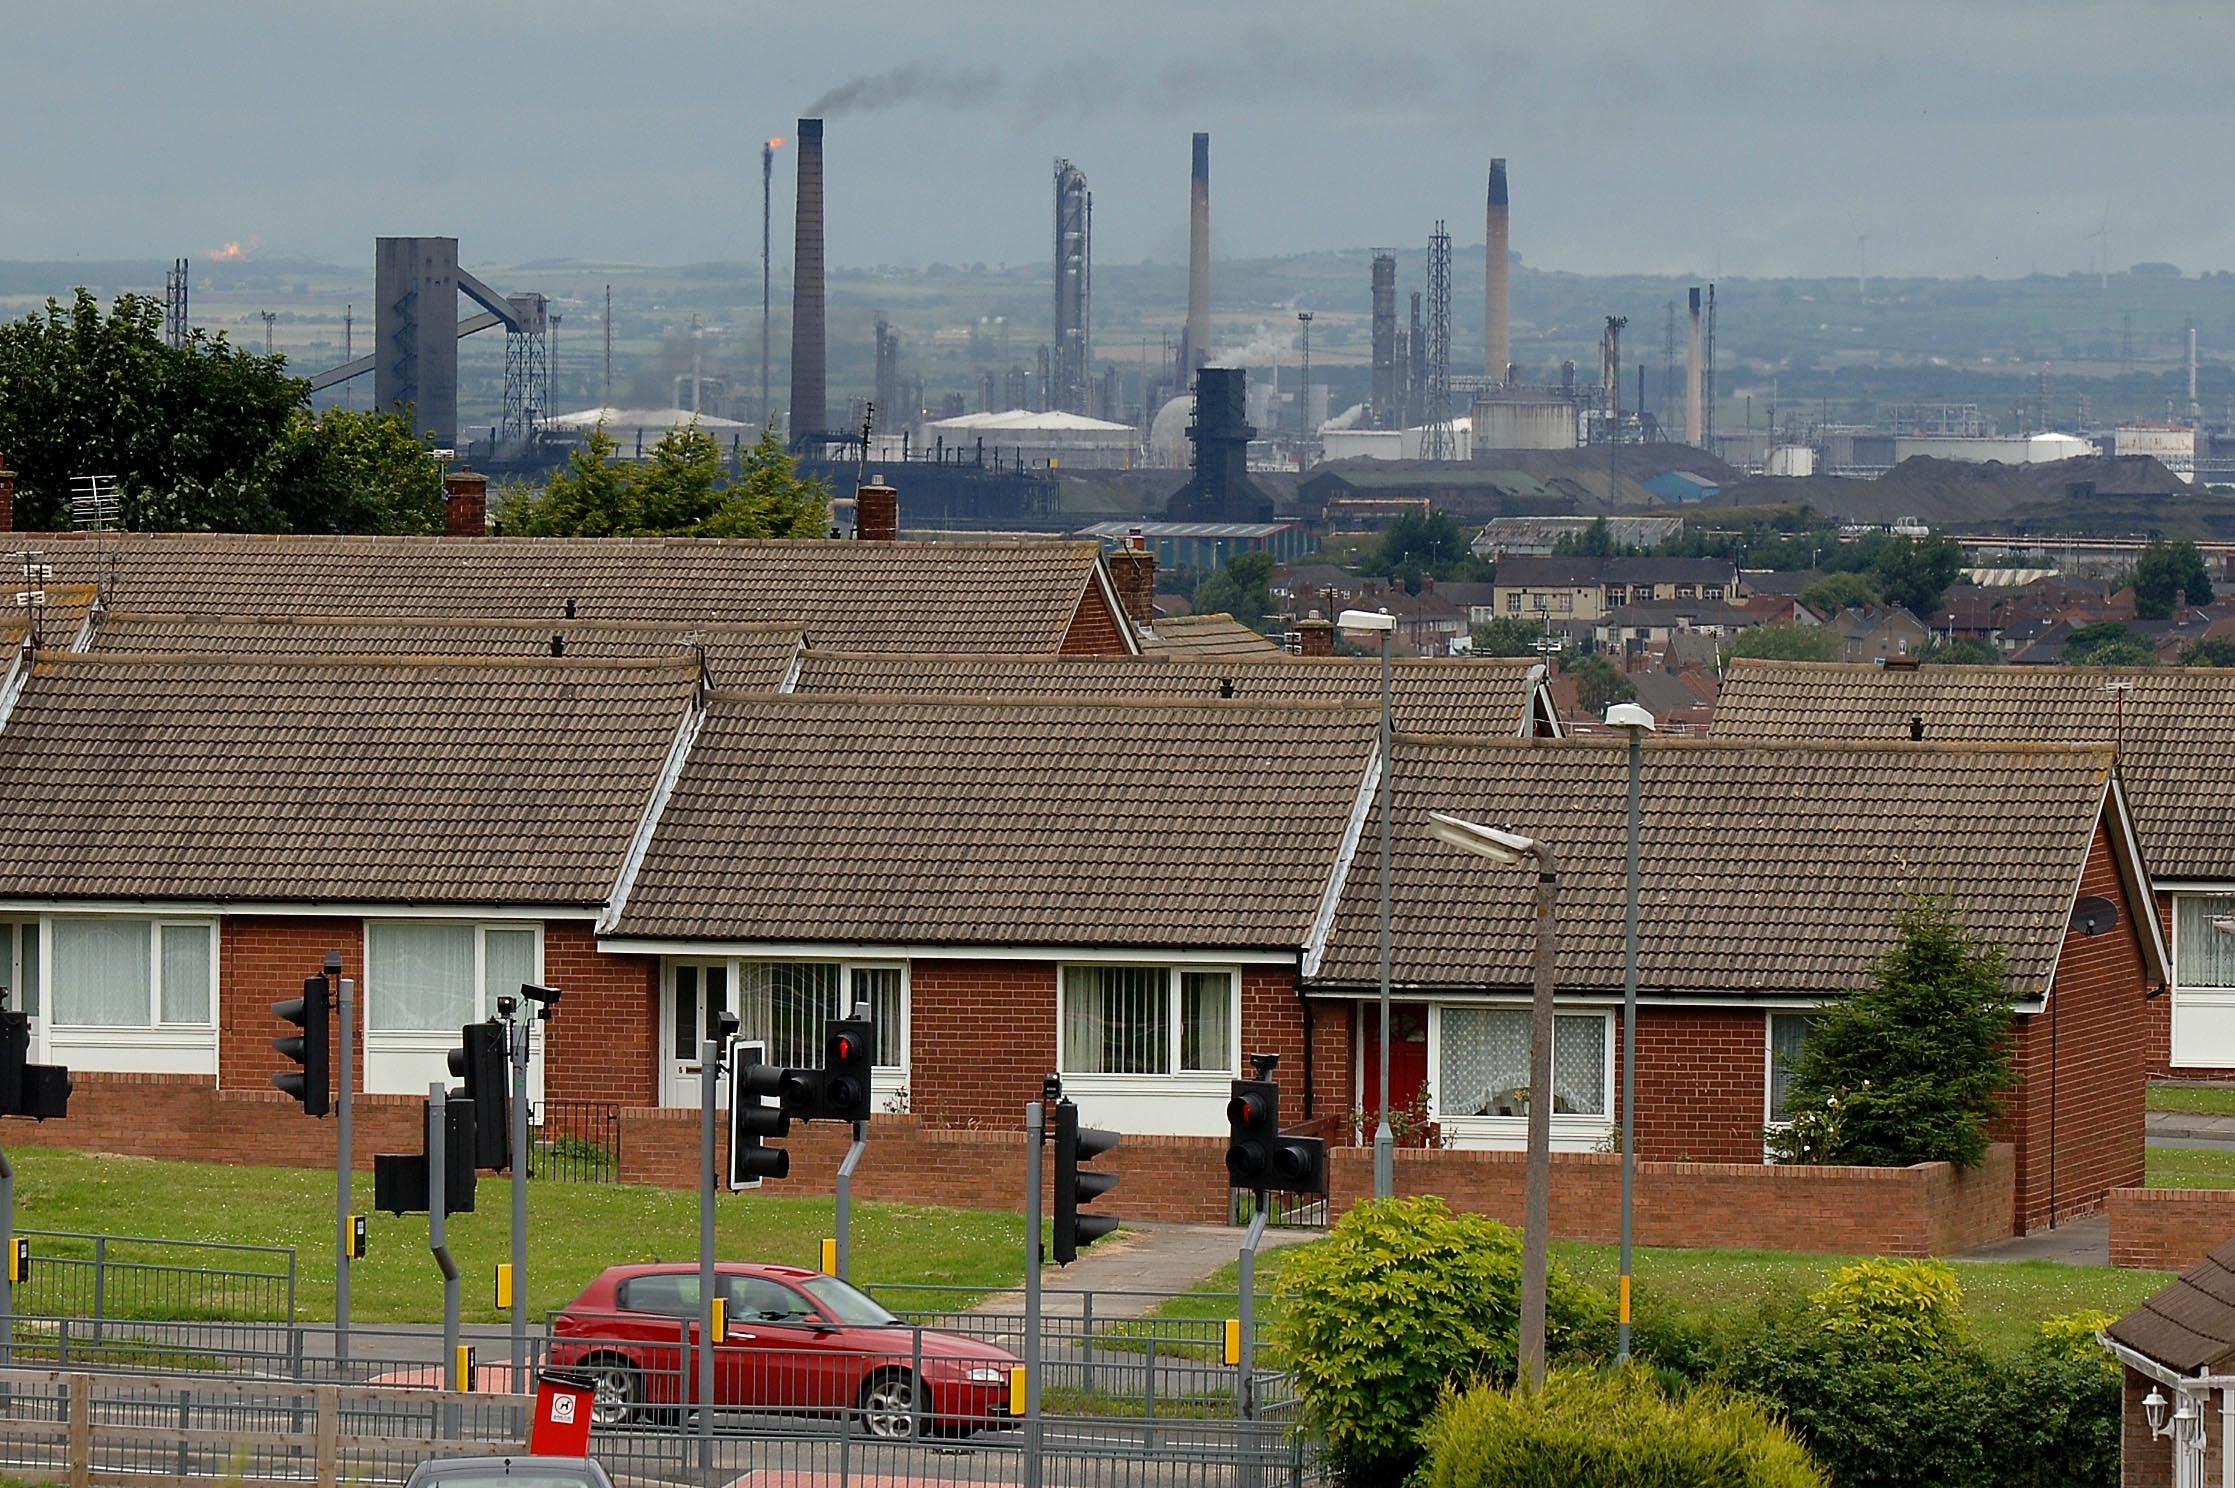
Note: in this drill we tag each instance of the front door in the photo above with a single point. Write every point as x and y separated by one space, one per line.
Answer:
1408 1058
696 994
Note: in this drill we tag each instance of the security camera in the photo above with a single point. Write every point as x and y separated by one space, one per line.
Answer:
544 998
1265 1064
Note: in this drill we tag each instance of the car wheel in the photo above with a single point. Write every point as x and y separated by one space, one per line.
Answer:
619 1386
888 1403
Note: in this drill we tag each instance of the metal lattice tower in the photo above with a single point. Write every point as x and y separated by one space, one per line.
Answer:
1440 443
174 305
527 370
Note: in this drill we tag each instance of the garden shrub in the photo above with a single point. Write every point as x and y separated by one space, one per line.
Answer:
1617 1430
1902 1308
1401 1301
2058 1423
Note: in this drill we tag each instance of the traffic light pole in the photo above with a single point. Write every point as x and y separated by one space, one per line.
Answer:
7 1273
438 1229
1247 1390
342 1170
1034 1134
518 1033
709 1078
846 1199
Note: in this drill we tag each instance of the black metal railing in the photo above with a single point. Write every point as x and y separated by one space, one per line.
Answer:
576 1141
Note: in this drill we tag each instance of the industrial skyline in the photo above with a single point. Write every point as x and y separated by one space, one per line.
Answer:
1683 138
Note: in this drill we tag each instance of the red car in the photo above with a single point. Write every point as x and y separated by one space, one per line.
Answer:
796 1342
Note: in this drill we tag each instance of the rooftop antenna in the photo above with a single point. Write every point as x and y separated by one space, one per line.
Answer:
2118 692
861 467
93 508
31 594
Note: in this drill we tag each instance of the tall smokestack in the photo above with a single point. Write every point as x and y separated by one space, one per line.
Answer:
1497 323
1693 433
2195 409
1388 412
810 413
1195 348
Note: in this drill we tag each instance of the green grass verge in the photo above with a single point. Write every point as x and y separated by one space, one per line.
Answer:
2193 1100
2190 1167
2005 1300
574 1231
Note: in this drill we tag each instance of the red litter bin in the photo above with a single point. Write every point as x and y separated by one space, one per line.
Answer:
562 1416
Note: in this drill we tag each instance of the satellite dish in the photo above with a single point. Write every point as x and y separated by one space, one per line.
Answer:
2094 914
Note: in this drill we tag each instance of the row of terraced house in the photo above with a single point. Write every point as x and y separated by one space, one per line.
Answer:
975 786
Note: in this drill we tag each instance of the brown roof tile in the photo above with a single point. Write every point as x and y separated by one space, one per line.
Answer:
2190 1325
900 820
1200 636
1765 870
751 657
973 596
412 780
2175 727
1444 696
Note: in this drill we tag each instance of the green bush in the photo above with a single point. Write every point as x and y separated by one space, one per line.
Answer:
1402 1301
1609 1431
1900 1308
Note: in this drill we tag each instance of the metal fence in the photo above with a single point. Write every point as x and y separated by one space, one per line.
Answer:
576 1141
138 1276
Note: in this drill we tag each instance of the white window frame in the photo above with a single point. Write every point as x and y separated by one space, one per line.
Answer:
1174 1007
2203 1016
1770 1119
155 1047
888 1082
1570 1132
403 1061
1186 1103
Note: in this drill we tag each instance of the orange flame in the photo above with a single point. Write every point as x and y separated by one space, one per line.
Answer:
230 253
776 143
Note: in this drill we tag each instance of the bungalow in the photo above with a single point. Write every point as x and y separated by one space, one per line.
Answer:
2174 732
1586 588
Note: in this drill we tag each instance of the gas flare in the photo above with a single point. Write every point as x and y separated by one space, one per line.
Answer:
230 253
776 143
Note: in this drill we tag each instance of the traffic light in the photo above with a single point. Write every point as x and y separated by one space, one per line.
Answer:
751 1122
28 1089
485 1065
1257 1155
1075 1144
847 1057
400 1178
311 1084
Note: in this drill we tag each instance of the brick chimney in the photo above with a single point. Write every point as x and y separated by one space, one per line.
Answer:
466 512
7 496
876 512
1133 571
1315 635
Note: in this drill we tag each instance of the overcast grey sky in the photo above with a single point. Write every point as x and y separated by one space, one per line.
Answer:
1744 136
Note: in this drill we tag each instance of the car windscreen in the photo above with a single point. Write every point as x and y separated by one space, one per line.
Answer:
847 1305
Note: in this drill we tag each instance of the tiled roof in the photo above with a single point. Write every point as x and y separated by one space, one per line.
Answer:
1458 696
2190 1325
910 820
752 657
1205 635
398 781
972 596
1765 870
2175 727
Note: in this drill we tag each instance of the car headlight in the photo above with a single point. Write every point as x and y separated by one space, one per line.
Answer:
987 1375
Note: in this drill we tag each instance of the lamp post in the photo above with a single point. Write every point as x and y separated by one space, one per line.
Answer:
1510 848
1385 1140
1637 723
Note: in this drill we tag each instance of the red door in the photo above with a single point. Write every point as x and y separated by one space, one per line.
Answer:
1408 1057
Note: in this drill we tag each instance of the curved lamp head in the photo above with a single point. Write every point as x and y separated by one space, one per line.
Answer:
1494 843
1379 621
1629 716
2224 924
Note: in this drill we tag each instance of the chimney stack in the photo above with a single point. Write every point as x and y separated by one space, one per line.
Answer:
1694 434
1497 330
876 512
466 503
1388 409
7 496
1195 342
1315 635
810 412
1133 573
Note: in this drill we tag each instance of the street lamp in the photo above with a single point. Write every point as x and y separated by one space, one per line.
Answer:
1637 723
1385 1140
1501 846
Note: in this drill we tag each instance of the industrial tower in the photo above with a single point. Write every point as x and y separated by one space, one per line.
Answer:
1074 280
1439 443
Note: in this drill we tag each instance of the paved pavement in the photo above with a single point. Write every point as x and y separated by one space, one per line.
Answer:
1136 1268
2085 1241
2179 1129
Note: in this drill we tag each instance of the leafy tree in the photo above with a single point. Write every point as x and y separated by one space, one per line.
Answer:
592 497
2107 644
1917 573
1840 591
1910 1068
2211 651
678 488
184 430
768 499
1598 685
1787 642
1594 541
1434 545
1963 651
345 471
1402 1301
2166 574
1239 589
1508 635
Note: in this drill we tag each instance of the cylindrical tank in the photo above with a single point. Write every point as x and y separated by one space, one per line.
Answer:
1508 423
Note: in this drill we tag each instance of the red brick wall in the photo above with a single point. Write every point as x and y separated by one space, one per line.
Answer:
605 1032
2144 1461
2168 1229
262 961
185 1117
1930 1209
2085 1058
1094 629
1701 1083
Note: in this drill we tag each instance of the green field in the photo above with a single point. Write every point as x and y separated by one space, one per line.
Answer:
2193 1100
2190 1167
575 1230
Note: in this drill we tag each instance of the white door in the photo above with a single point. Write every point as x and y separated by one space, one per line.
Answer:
694 994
